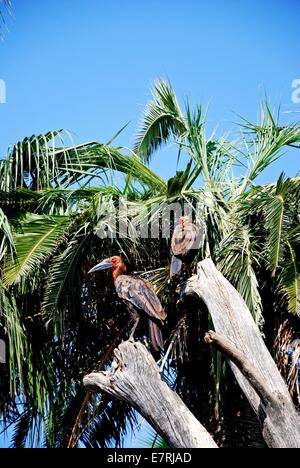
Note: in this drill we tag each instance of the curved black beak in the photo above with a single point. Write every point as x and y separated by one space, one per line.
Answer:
104 265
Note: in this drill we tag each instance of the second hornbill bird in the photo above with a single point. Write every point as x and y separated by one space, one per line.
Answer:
139 297
184 244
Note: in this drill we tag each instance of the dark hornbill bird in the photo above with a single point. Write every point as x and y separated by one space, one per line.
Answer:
184 244
139 297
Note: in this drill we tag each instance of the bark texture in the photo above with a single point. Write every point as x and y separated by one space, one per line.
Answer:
248 357
134 377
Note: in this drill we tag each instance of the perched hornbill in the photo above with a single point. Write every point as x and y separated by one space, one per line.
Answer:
184 244
139 296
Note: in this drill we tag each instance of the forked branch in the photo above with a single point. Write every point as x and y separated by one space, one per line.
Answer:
134 377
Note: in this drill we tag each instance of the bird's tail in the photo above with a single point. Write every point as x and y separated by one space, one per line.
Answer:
175 267
155 335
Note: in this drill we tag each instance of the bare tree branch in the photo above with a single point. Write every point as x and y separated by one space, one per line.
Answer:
259 378
134 377
239 359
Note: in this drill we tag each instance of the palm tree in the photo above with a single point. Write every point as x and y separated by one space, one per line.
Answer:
60 323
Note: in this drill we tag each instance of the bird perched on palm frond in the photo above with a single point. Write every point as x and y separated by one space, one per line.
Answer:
183 244
139 297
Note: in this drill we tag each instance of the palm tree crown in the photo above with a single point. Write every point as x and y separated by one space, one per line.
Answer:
60 323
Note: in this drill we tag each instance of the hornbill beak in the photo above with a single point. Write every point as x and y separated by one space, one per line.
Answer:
104 265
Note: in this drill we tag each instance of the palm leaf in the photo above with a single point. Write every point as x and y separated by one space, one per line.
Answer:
44 161
6 239
21 430
34 162
276 219
62 274
152 439
111 421
92 157
236 259
15 332
274 211
35 239
162 119
267 142
291 272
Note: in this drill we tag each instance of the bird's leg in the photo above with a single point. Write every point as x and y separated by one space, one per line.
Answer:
145 341
182 284
136 322
164 359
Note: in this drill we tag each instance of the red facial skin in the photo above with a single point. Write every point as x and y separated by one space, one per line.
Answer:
183 220
119 267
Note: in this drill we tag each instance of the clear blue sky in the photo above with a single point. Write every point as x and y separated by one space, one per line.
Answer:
87 65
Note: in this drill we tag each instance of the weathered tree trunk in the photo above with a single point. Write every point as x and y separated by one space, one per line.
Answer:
257 374
134 377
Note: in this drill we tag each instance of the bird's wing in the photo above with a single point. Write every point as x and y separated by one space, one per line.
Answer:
155 335
175 267
184 239
141 294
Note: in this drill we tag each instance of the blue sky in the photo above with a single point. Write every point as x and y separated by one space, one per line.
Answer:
87 66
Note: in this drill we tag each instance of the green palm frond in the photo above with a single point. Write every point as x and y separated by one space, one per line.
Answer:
291 271
196 144
274 213
277 219
183 180
270 128
267 142
6 236
162 119
160 278
214 159
21 430
237 258
35 239
152 439
34 162
111 422
275 210
15 332
55 202
93 157
55 198
65 202
45 161
63 274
